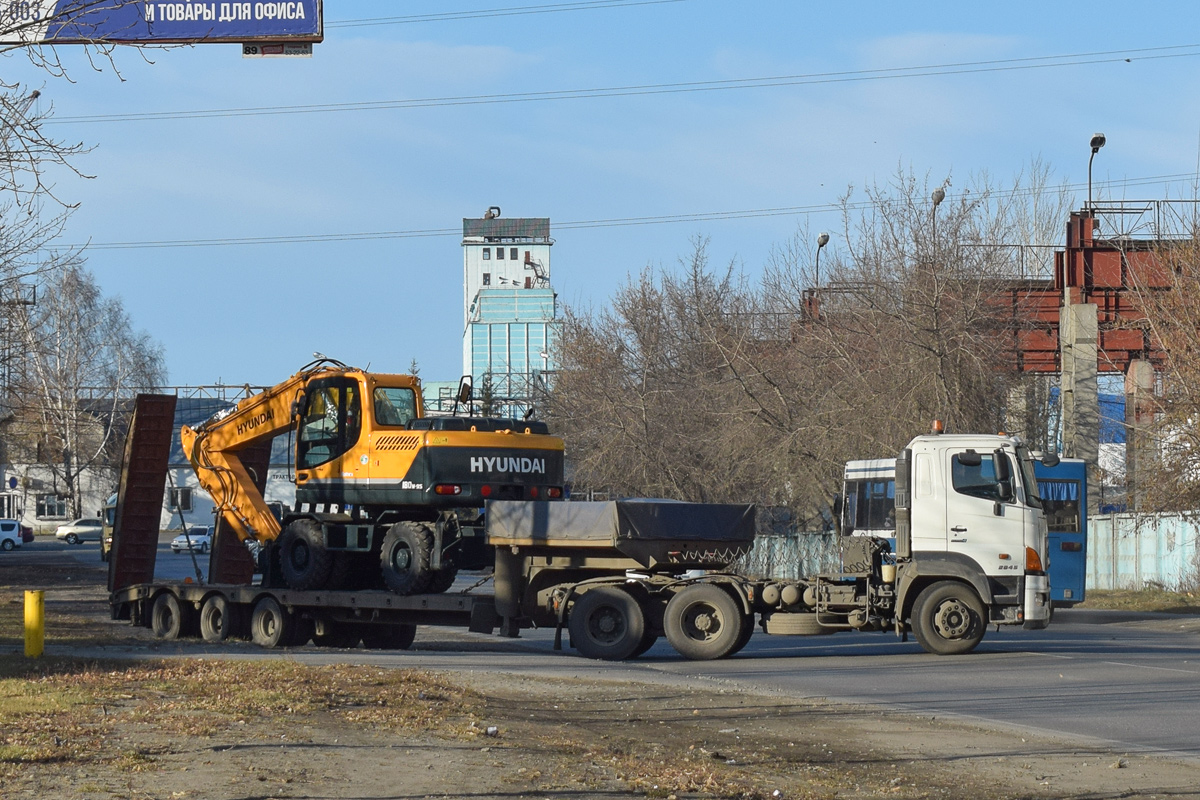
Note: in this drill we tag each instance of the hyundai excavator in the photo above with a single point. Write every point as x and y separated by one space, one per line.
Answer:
385 495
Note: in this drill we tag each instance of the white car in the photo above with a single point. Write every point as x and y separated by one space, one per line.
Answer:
198 539
10 534
81 530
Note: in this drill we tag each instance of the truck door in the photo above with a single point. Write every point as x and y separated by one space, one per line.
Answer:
984 519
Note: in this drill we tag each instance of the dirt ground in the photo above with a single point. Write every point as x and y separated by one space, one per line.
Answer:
203 729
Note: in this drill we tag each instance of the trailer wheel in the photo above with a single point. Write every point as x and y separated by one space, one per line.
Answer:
389 637
606 623
168 617
340 634
404 559
270 625
703 622
948 618
303 557
219 619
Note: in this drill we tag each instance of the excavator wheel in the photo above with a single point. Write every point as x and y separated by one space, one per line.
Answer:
305 561
443 578
404 559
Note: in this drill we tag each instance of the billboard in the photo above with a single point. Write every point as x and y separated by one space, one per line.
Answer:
158 21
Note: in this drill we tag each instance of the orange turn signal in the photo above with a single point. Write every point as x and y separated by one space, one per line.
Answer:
1033 562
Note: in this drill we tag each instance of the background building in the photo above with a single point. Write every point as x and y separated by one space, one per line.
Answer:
509 311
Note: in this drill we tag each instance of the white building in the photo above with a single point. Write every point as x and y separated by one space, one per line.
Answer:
509 307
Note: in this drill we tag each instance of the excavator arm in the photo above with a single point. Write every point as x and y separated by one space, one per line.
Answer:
214 449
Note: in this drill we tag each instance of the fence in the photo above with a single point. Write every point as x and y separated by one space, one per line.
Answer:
1134 551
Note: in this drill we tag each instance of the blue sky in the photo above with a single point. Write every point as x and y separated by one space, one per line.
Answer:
255 313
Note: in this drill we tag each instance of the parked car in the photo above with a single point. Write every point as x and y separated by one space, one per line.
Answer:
86 529
10 534
26 534
198 538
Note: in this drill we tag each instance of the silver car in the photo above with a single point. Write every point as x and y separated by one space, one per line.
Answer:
198 539
87 529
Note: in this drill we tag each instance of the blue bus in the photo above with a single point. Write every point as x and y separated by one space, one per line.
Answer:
869 509
1064 496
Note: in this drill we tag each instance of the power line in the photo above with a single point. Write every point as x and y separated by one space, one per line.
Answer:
616 222
811 79
514 11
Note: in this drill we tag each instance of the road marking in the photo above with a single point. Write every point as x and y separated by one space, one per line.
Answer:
1144 666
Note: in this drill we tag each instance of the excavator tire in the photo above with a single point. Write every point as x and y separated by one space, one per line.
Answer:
305 561
443 578
404 559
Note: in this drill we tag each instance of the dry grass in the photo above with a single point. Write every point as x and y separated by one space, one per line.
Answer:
1143 600
63 711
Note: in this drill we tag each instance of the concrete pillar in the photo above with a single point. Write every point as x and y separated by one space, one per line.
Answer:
1139 415
1078 332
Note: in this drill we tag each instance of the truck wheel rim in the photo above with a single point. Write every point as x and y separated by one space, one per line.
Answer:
952 619
605 625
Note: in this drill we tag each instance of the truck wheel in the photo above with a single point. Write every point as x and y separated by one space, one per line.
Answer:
219 619
303 557
703 622
168 617
404 559
948 619
389 637
744 639
648 640
270 625
606 623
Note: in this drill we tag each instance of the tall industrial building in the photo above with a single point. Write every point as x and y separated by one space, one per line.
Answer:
509 309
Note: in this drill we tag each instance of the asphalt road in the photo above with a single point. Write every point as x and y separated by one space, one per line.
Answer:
1094 675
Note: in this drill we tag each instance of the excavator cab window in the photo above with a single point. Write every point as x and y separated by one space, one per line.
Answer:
394 405
331 421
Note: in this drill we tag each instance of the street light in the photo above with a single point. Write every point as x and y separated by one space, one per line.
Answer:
939 194
822 240
1098 141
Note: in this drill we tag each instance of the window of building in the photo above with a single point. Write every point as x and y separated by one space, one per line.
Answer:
487 254
500 253
487 279
512 253
180 499
51 506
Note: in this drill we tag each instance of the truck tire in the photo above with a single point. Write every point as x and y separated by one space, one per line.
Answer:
270 624
606 623
168 617
649 638
303 558
948 618
404 559
389 637
219 619
744 639
703 622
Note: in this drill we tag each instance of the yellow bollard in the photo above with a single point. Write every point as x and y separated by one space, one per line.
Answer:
35 623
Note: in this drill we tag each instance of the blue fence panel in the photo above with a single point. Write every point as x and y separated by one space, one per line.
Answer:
1135 551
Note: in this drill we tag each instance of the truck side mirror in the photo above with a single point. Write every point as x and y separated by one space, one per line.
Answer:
1050 459
464 390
